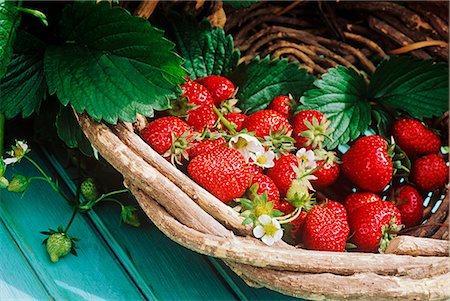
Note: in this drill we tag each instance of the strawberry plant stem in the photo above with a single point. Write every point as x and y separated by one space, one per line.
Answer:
2 132
74 213
225 122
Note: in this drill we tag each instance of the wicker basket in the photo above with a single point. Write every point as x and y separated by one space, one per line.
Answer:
414 268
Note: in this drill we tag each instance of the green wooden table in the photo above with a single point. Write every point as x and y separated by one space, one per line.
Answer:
115 262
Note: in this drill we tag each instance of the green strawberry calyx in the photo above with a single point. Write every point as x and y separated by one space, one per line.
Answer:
388 232
178 150
280 142
59 244
317 132
400 161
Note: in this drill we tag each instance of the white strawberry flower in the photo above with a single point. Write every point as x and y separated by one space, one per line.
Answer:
268 230
246 145
18 152
307 158
264 160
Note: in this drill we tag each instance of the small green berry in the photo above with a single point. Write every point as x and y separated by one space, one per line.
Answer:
89 190
58 245
19 183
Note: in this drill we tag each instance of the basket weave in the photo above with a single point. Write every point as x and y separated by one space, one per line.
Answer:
414 268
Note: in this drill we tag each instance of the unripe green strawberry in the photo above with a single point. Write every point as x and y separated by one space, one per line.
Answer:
19 183
3 182
58 245
89 190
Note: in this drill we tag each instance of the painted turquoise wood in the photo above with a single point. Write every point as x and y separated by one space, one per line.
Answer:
158 265
17 279
94 275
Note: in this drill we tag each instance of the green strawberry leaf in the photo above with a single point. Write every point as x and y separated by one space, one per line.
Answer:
70 132
262 80
236 4
9 20
382 121
419 87
112 65
206 50
341 95
24 87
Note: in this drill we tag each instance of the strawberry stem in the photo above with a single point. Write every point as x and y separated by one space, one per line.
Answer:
291 217
225 122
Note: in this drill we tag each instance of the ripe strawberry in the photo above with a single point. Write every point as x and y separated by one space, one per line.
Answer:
284 105
283 173
254 169
367 163
410 204
265 122
221 88
358 199
200 113
298 226
168 136
330 170
414 138
310 129
429 172
204 146
265 184
373 225
222 171
286 207
326 228
236 118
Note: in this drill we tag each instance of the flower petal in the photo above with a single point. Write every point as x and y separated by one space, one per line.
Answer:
264 219
258 231
22 144
278 235
300 152
276 223
10 160
268 240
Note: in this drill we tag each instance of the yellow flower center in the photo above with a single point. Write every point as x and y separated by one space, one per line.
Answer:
262 160
241 143
270 229
18 153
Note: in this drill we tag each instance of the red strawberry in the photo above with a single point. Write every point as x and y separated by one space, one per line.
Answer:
358 199
201 114
283 173
205 146
367 163
265 184
410 204
330 170
221 88
254 169
265 122
298 226
326 228
284 105
236 118
164 135
286 207
373 225
429 172
222 171
310 129
414 138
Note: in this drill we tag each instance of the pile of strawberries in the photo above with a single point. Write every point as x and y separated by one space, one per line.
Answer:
268 165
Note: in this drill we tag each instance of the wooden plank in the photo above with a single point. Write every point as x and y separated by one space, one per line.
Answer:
158 265
17 279
94 275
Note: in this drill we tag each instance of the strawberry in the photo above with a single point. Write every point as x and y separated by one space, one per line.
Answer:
236 118
367 163
326 228
410 204
358 199
254 169
221 88
414 138
297 227
286 207
265 184
222 171
429 172
266 122
373 225
283 173
329 169
58 245
88 190
284 105
200 113
310 129
168 136
204 146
